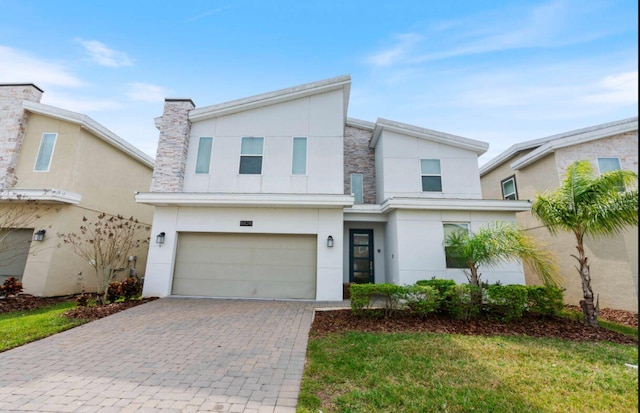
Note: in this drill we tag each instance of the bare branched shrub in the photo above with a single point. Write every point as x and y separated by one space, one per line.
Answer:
106 244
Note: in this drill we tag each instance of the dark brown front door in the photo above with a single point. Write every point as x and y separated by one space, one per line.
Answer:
361 256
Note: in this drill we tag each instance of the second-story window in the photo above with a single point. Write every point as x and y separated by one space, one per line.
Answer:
299 156
251 156
45 152
608 164
431 176
356 188
203 160
509 190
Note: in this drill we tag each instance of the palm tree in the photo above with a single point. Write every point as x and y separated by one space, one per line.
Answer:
498 243
589 206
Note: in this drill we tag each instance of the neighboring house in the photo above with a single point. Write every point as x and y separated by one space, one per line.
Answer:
532 167
281 195
60 166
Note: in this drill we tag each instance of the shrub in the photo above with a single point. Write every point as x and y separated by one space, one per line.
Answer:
126 289
421 299
11 286
443 287
82 300
508 302
462 300
544 300
362 296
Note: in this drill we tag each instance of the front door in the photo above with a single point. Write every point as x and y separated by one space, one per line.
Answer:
361 256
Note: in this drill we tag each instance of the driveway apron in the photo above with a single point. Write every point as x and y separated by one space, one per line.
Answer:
170 355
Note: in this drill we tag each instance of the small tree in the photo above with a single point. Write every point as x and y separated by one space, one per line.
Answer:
106 244
587 205
498 243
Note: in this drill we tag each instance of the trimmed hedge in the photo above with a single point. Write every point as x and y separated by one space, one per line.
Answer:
462 301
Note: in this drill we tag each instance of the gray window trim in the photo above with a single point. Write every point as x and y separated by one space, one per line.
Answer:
515 187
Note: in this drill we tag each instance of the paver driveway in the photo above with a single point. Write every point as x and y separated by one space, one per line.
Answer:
170 355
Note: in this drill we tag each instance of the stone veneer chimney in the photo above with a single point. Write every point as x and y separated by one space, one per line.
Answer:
173 145
13 123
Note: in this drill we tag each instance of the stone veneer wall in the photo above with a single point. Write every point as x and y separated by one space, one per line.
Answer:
359 158
13 123
173 145
623 146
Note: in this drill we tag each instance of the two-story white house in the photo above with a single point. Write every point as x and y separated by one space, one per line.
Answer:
281 195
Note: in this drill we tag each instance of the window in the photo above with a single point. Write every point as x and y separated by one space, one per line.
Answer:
356 188
431 177
509 190
204 155
251 156
608 164
45 152
452 228
299 156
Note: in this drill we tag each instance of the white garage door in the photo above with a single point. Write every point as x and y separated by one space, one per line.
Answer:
245 265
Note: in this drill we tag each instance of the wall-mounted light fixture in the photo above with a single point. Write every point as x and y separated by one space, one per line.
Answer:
39 235
330 241
160 238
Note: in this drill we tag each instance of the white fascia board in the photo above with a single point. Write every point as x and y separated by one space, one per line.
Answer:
365 213
271 98
41 195
478 147
576 136
588 135
456 204
361 124
244 200
92 126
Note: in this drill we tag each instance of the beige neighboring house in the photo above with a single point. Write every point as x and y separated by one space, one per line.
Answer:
67 166
532 167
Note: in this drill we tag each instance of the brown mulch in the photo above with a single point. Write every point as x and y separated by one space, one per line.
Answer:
623 317
96 312
534 326
25 302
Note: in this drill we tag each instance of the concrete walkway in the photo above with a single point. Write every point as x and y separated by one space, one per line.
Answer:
170 355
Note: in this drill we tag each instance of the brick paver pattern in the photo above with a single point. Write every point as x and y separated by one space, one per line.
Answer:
170 355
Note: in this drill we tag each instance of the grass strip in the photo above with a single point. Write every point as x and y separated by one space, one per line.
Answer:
21 327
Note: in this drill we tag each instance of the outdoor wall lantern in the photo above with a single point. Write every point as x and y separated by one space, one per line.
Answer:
39 235
330 241
160 238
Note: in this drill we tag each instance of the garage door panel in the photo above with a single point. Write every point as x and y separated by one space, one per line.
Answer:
246 265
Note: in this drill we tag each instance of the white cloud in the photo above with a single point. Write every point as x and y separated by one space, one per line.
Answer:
396 53
620 88
18 66
103 55
207 13
145 92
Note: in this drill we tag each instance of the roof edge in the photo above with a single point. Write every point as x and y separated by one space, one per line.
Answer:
476 146
269 98
92 126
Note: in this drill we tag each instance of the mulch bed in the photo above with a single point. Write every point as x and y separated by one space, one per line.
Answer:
534 326
25 302
96 312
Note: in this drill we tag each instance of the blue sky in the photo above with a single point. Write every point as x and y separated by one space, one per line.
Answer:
497 71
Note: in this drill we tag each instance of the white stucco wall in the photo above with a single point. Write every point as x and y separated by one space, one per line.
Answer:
319 118
322 222
398 166
420 250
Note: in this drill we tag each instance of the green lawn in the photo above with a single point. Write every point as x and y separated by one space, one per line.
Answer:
419 372
20 327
